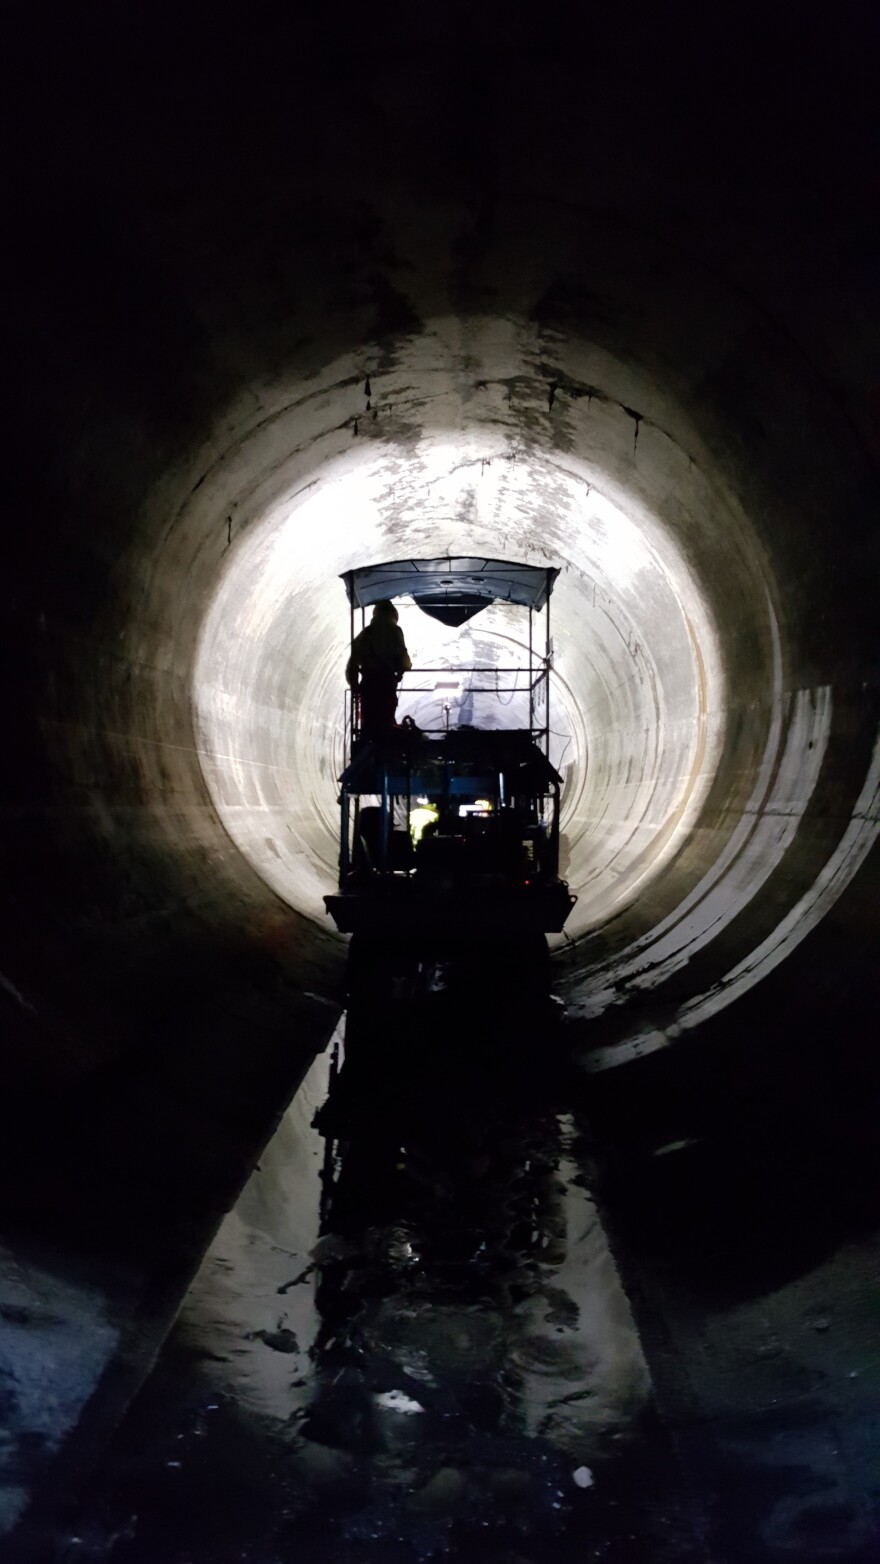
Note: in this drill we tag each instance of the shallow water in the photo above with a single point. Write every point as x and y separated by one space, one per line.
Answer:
408 1340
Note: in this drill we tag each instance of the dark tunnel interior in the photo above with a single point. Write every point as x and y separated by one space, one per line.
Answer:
602 297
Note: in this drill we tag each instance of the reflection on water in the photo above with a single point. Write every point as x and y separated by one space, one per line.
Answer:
408 1340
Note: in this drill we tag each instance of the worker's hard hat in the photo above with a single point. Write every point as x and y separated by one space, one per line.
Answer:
384 609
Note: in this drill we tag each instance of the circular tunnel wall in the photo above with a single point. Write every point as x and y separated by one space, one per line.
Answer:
690 742
563 395
637 698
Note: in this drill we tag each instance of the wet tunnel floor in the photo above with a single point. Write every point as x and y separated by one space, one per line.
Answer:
408 1340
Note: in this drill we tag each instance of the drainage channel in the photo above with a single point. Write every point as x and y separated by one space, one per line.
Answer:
408 1341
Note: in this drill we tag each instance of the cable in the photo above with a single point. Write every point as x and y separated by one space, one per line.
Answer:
514 691
555 735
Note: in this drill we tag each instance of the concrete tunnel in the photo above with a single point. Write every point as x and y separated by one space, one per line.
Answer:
582 339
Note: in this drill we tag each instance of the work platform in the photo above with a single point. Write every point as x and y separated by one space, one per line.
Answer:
454 831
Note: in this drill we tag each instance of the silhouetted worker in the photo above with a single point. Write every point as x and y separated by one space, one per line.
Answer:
379 659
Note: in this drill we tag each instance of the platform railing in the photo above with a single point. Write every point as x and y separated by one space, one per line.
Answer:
537 690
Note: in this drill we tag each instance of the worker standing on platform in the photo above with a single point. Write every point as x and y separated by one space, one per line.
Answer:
379 659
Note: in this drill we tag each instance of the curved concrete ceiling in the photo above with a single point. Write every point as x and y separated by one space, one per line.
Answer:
260 373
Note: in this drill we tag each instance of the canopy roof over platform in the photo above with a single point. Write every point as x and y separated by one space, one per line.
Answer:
452 589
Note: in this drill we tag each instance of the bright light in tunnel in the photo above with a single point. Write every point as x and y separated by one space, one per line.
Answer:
636 697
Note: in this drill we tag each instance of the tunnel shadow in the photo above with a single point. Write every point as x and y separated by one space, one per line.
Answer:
738 1176
215 1040
432 1415
749 1154
442 1221
447 1089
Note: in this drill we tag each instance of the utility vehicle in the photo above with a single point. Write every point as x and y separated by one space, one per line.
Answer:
450 834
